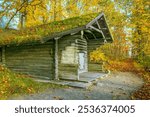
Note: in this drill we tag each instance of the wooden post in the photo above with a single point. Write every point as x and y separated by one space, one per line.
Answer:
56 59
78 75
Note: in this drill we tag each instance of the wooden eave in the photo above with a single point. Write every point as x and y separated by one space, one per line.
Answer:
89 26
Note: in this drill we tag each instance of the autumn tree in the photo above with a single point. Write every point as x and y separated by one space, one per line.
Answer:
140 24
20 9
138 21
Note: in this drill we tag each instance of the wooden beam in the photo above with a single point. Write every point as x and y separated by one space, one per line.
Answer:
56 38
82 33
78 75
100 31
88 31
98 25
105 41
56 59
93 21
111 36
73 33
60 34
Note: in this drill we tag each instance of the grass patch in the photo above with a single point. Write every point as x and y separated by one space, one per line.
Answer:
12 84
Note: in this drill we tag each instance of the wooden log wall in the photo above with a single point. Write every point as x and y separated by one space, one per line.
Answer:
69 49
81 44
67 63
34 60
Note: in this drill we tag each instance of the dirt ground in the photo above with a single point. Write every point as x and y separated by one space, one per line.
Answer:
116 86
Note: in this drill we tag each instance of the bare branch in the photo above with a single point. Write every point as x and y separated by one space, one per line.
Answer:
17 10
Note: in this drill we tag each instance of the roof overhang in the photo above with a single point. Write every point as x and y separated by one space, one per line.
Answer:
99 24
95 28
98 27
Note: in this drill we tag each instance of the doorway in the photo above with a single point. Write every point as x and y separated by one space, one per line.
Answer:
82 62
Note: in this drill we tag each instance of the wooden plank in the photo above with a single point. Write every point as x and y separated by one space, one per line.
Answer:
69 69
25 62
30 46
82 49
40 71
68 65
39 76
33 60
95 67
65 33
68 76
80 41
33 72
84 44
30 66
94 20
29 56
56 59
39 51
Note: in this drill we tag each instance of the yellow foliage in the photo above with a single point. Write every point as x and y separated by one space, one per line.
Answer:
97 56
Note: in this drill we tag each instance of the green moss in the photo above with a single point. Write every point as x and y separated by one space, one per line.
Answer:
39 32
12 84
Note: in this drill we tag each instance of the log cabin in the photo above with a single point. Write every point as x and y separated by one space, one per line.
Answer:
55 51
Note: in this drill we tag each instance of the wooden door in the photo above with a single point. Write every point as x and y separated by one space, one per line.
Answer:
81 62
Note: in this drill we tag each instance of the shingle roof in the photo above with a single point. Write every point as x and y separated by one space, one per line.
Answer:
43 32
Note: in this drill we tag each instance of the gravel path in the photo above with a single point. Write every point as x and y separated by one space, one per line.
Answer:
118 85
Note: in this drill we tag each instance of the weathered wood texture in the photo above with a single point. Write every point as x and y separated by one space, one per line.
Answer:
56 59
81 44
68 71
68 54
92 45
34 60
67 60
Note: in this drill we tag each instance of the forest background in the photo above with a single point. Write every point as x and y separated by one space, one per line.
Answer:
129 22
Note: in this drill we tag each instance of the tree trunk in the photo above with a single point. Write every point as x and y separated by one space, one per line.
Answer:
23 14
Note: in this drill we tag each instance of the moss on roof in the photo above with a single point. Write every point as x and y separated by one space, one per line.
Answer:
35 34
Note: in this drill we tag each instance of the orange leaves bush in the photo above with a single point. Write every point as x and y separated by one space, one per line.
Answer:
97 56
144 91
124 65
132 66
14 84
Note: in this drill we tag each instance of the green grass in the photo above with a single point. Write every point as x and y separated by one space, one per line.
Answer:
12 84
